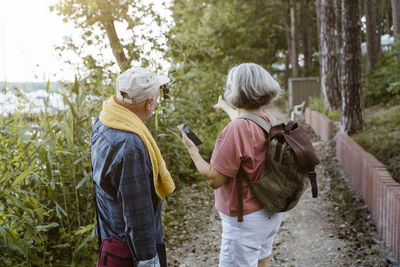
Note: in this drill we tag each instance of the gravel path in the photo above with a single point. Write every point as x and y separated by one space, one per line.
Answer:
335 229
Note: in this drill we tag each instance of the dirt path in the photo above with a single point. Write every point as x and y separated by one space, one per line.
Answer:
335 229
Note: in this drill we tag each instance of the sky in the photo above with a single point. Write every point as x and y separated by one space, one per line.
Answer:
28 34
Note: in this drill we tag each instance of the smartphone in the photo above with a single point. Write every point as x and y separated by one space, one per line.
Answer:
190 134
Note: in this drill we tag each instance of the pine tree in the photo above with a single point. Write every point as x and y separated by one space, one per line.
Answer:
352 102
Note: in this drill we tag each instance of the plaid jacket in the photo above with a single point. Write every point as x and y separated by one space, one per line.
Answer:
128 206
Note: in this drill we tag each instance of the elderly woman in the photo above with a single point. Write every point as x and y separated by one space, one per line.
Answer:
249 88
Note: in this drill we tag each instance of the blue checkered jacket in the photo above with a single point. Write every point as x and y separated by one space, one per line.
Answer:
128 207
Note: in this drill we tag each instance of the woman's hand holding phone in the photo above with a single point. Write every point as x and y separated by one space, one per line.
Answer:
190 134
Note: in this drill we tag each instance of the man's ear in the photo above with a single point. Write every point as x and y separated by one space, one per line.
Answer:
149 103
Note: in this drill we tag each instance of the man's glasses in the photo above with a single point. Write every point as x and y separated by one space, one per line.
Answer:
167 88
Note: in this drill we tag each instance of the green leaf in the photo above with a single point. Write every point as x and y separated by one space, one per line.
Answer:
46 227
15 247
3 232
76 86
84 229
84 179
49 169
85 241
84 157
69 134
48 86
65 245
20 177
63 151
60 209
71 106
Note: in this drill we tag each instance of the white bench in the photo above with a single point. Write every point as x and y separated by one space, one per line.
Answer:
298 109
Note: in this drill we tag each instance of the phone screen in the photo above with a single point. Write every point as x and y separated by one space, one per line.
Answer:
190 134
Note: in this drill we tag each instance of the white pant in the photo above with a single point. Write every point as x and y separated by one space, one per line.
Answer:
244 243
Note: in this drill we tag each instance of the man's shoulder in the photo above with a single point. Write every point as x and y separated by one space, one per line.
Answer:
116 136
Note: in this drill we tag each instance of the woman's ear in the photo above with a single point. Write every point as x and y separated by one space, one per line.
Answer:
149 103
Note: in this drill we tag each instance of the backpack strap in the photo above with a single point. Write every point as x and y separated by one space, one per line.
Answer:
239 178
239 186
257 119
314 187
241 173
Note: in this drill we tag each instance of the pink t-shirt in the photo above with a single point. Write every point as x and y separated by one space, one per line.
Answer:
241 141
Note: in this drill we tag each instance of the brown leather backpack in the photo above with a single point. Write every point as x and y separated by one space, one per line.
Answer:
289 165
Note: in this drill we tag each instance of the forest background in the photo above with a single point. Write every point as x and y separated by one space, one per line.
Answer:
47 213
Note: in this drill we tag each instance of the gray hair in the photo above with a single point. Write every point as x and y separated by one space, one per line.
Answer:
249 85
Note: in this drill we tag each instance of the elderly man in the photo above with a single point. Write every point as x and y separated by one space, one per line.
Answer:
129 174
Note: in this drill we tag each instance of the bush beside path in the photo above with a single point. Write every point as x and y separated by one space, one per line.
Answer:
335 229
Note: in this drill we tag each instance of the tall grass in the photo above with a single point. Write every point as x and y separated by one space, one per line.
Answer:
46 205
47 212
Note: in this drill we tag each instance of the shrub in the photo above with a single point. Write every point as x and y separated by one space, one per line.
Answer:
381 137
382 84
47 213
316 103
46 205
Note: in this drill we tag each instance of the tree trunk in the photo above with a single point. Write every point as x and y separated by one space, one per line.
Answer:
107 22
328 54
293 36
287 69
115 44
352 104
318 11
307 35
372 38
379 19
387 12
339 52
285 23
396 17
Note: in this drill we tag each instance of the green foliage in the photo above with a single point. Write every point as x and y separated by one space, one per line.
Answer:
208 38
46 205
313 70
382 85
98 21
282 103
381 137
225 34
46 209
317 103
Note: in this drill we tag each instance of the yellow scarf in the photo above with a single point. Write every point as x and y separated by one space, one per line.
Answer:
117 117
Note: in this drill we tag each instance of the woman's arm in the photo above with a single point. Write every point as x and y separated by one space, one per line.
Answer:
213 177
222 106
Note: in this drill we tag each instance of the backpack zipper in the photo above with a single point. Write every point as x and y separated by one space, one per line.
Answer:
113 256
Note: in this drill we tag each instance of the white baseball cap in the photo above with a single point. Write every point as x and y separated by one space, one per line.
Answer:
139 84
